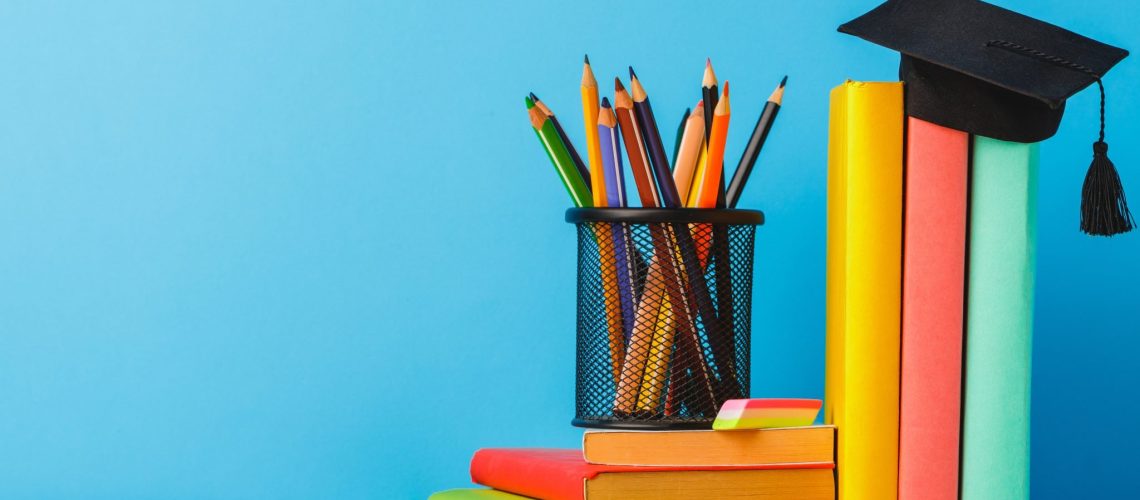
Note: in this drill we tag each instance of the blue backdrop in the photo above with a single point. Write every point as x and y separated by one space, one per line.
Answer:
290 250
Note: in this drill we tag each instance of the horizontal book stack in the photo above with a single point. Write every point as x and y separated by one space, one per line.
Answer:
772 464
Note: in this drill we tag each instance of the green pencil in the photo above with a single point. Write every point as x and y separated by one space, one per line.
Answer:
559 156
680 133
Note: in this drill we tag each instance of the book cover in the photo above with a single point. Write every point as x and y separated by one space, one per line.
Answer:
933 310
999 322
793 445
557 474
864 260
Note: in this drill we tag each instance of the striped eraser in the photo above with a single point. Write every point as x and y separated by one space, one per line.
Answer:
766 413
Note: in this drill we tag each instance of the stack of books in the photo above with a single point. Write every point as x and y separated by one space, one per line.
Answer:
788 463
932 215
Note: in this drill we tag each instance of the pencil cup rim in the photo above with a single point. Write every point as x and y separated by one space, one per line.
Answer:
666 215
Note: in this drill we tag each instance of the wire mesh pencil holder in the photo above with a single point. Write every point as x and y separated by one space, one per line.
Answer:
664 315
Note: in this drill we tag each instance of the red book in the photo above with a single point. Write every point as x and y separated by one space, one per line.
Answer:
934 277
555 474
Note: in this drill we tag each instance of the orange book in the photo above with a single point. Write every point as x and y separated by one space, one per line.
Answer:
934 277
791 445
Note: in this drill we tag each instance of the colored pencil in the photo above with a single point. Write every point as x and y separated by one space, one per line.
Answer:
696 299
635 147
611 155
582 170
755 143
615 192
707 184
680 134
709 95
652 137
691 144
560 157
589 90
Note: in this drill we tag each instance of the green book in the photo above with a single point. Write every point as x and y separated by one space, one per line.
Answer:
999 321
475 494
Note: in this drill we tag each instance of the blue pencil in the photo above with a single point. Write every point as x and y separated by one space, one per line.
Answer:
615 197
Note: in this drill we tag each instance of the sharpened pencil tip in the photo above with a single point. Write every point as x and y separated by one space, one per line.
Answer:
782 82
529 101
726 88
587 59
617 84
533 97
605 102
708 62
631 73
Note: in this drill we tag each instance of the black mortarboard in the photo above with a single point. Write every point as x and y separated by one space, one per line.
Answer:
982 69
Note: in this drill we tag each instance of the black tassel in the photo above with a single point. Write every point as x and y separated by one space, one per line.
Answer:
1104 210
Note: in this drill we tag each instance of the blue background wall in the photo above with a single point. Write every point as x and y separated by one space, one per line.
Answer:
281 250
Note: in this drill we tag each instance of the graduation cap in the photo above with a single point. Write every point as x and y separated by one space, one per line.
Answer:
982 69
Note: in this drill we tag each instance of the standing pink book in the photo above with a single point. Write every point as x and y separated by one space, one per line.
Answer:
934 277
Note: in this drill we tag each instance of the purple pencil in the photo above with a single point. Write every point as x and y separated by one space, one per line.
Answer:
615 197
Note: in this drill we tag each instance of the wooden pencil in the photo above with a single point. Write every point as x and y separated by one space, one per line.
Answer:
635 147
695 299
709 95
707 184
691 144
589 90
755 143
680 135
559 157
652 137
663 275
615 192
582 170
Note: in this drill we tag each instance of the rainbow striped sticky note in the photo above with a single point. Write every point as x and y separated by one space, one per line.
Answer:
766 413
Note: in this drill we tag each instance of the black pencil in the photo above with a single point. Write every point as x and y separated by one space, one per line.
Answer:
755 143
710 95
582 169
648 124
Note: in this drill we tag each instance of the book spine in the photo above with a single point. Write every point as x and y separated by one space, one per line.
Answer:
864 286
999 320
933 308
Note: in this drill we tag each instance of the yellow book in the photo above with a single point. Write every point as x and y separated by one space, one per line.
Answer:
864 272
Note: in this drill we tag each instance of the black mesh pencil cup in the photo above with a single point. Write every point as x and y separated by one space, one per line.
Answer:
664 314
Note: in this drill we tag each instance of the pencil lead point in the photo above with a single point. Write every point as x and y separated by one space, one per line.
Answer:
605 102
631 73
533 97
700 103
708 62
782 82
617 84
587 58
726 88
529 102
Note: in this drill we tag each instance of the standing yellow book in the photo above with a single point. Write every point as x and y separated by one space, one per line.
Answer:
864 276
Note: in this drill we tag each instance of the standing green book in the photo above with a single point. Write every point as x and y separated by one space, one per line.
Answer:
999 321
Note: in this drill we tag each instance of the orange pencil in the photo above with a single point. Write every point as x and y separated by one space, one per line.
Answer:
708 184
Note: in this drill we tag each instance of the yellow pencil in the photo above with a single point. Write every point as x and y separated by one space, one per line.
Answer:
593 146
